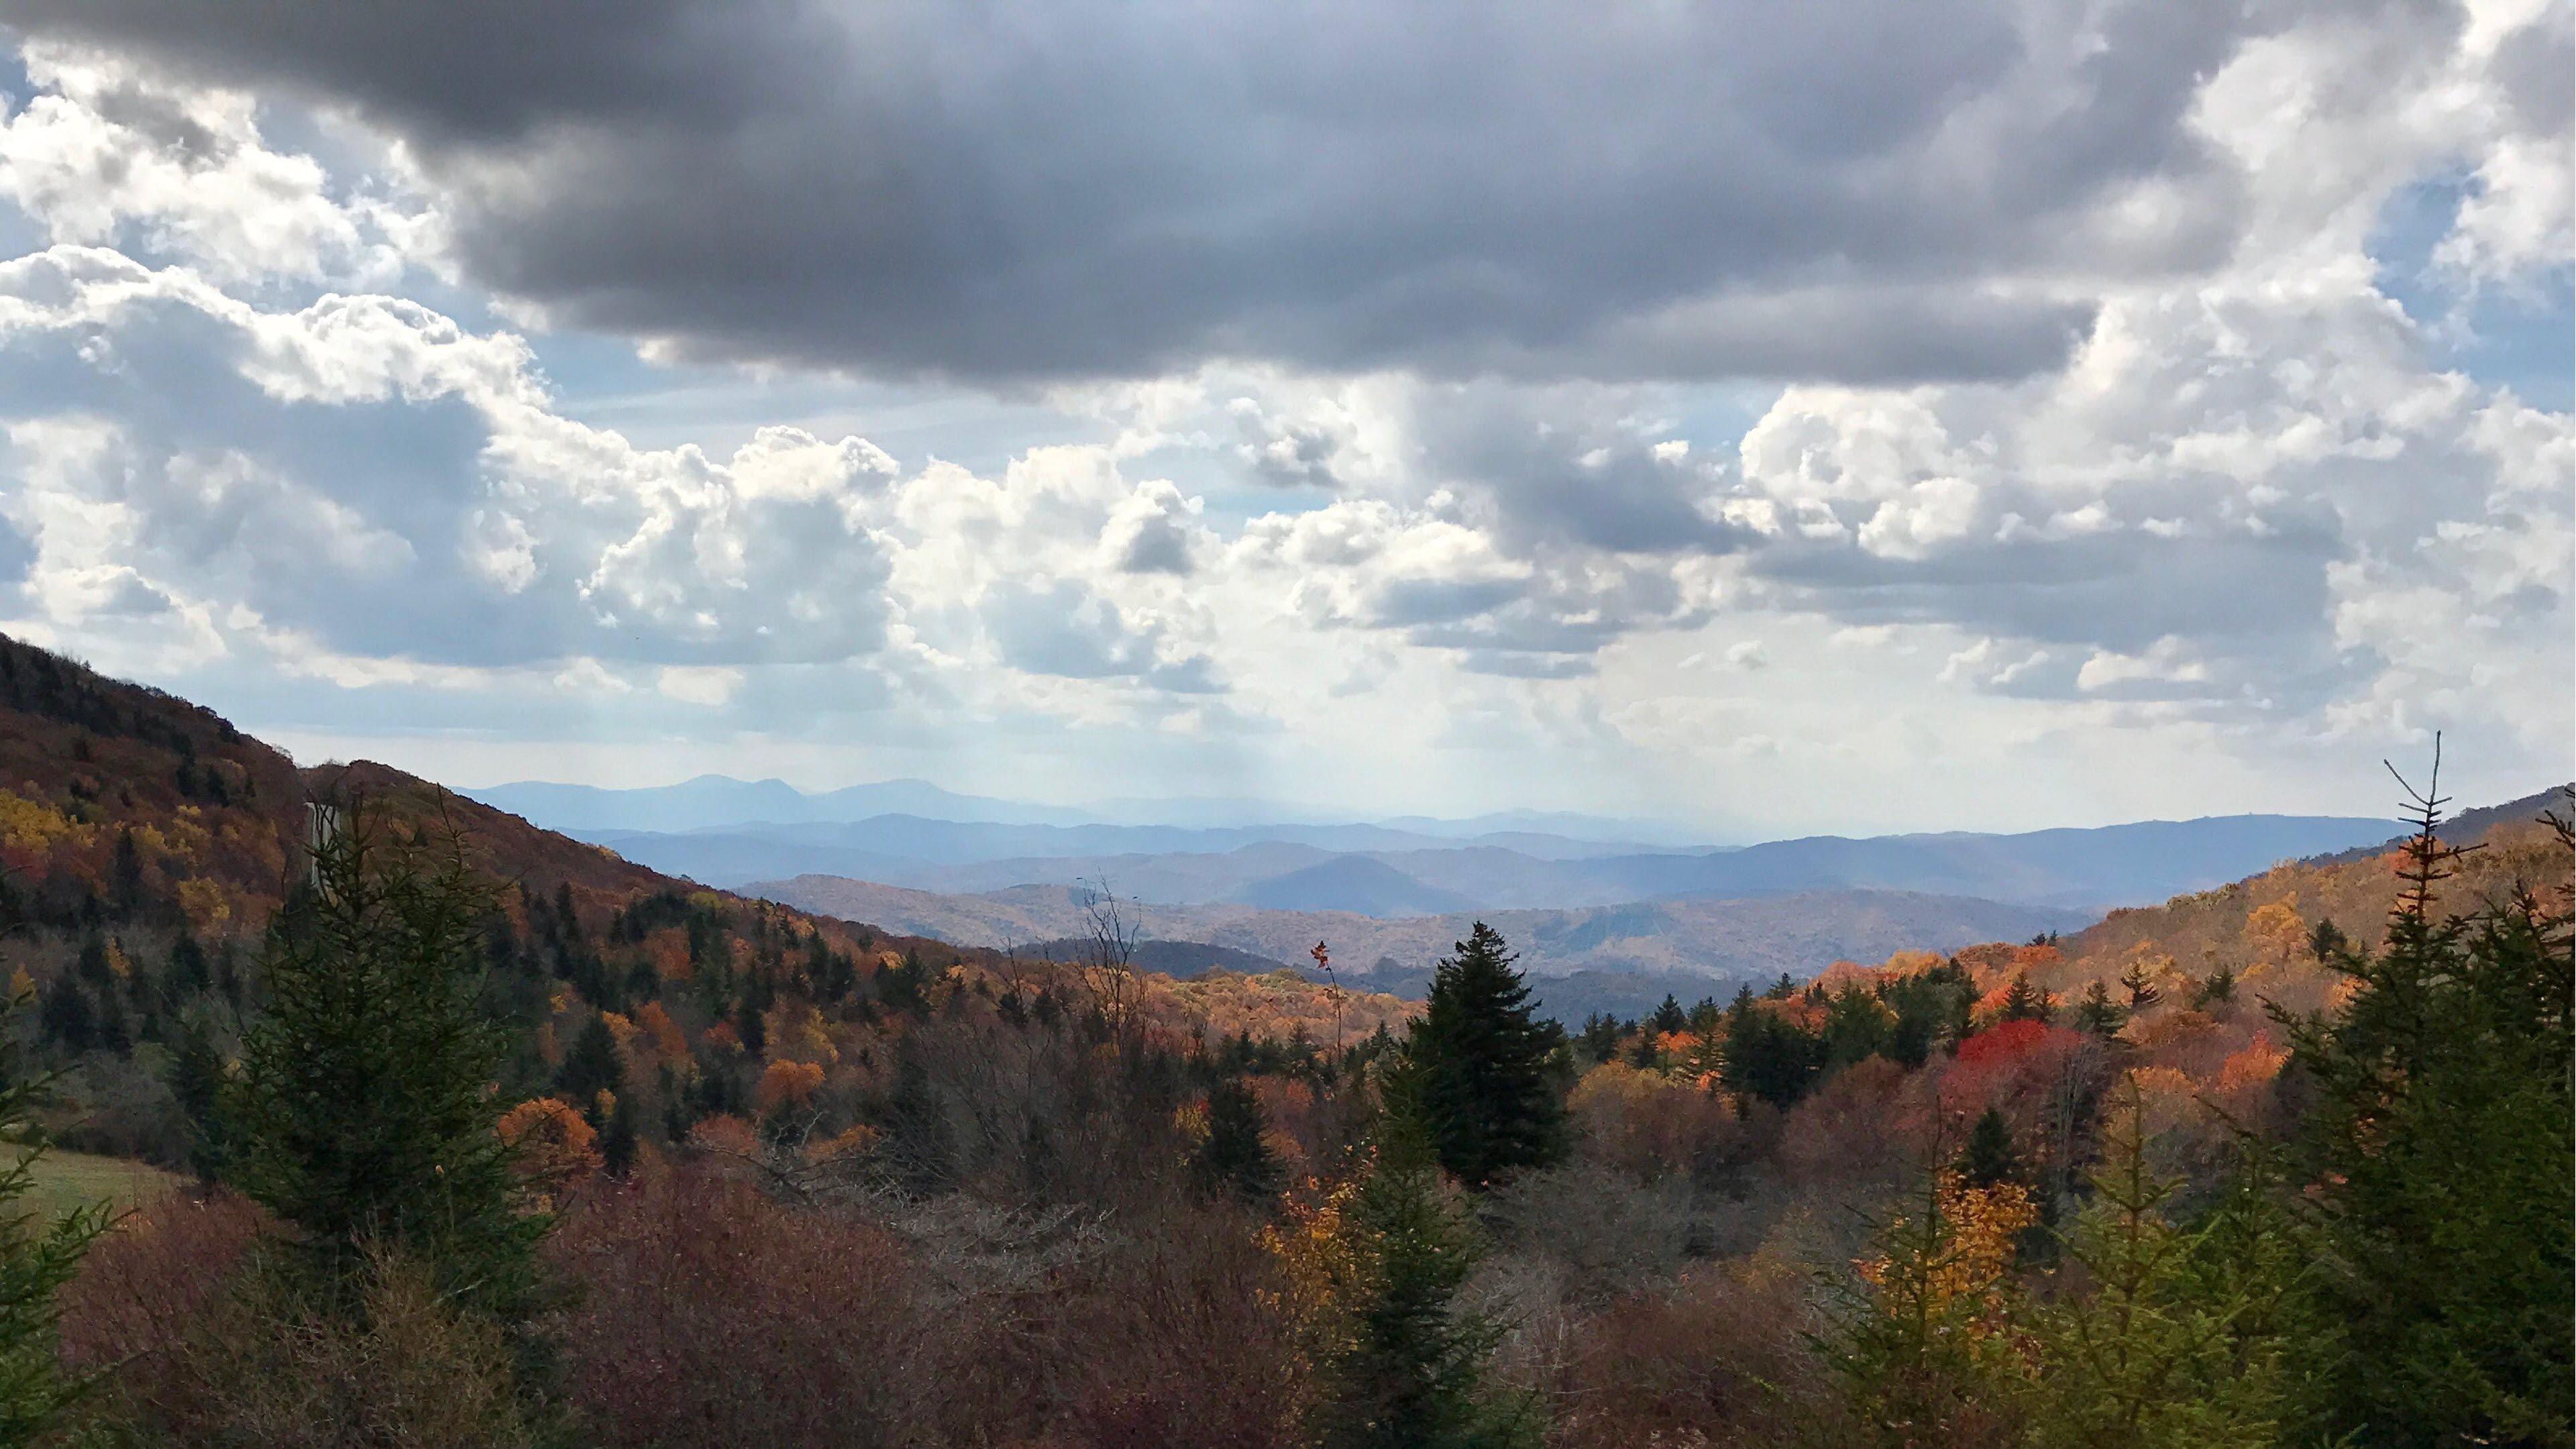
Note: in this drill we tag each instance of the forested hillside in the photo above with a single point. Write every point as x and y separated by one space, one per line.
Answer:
145 846
495 1138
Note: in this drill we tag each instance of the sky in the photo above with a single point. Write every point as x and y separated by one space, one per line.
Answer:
1983 414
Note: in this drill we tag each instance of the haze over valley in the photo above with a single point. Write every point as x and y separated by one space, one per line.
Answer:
1388 897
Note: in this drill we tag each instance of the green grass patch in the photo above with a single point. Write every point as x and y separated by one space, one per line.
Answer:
68 1180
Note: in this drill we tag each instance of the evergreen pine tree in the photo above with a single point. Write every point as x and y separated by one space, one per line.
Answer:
620 1141
196 1082
1489 1100
93 963
2439 1141
918 1143
1768 1057
1235 1159
2218 988
2143 992
1670 1017
65 1014
189 975
363 1112
1919 1004
2326 940
1989 1156
38 1255
1921 1342
2098 1014
591 1067
1409 1372
2178 1343
1600 1039
2025 1002
1856 1027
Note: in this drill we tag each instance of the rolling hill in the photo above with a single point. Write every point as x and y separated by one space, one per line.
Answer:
1361 884
2084 870
1720 940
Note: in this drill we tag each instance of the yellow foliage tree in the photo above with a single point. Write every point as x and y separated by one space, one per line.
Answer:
552 1146
1925 1343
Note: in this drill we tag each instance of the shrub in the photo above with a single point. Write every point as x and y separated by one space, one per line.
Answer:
212 1344
1719 1358
1649 1125
705 1312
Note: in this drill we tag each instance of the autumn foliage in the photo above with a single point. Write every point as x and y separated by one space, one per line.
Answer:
793 1181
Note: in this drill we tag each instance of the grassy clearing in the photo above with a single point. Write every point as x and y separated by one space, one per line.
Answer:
67 1180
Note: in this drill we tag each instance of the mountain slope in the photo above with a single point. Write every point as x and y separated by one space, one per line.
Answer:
2086 869
1360 884
2467 827
145 844
1733 939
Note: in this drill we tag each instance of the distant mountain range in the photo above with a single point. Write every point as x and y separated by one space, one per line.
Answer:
1715 941
1377 870
718 801
1578 897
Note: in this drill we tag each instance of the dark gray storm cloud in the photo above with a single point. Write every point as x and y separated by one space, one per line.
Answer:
1862 192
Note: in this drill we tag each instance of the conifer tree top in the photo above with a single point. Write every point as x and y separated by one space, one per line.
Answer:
1488 1090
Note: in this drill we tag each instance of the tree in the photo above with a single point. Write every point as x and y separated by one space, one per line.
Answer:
2025 1002
1670 1017
363 1115
1234 1158
1768 1057
2098 1014
1857 1026
1600 1038
1407 1367
1990 1157
592 1066
619 1141
2438 1140
65 1014
2218 988
1488 1085
1922 1341
2326 940
196 1082
37 1257
2143 992
2177 1344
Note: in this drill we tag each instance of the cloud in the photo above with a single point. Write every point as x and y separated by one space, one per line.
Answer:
104 155
1128 190
363 479
699 684
1391 434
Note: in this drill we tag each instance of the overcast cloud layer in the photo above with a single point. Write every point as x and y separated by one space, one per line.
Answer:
1841 416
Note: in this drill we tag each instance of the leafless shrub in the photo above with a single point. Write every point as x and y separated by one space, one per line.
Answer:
1607 1233
144 1287
706 1312
1717 1359
206 1344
